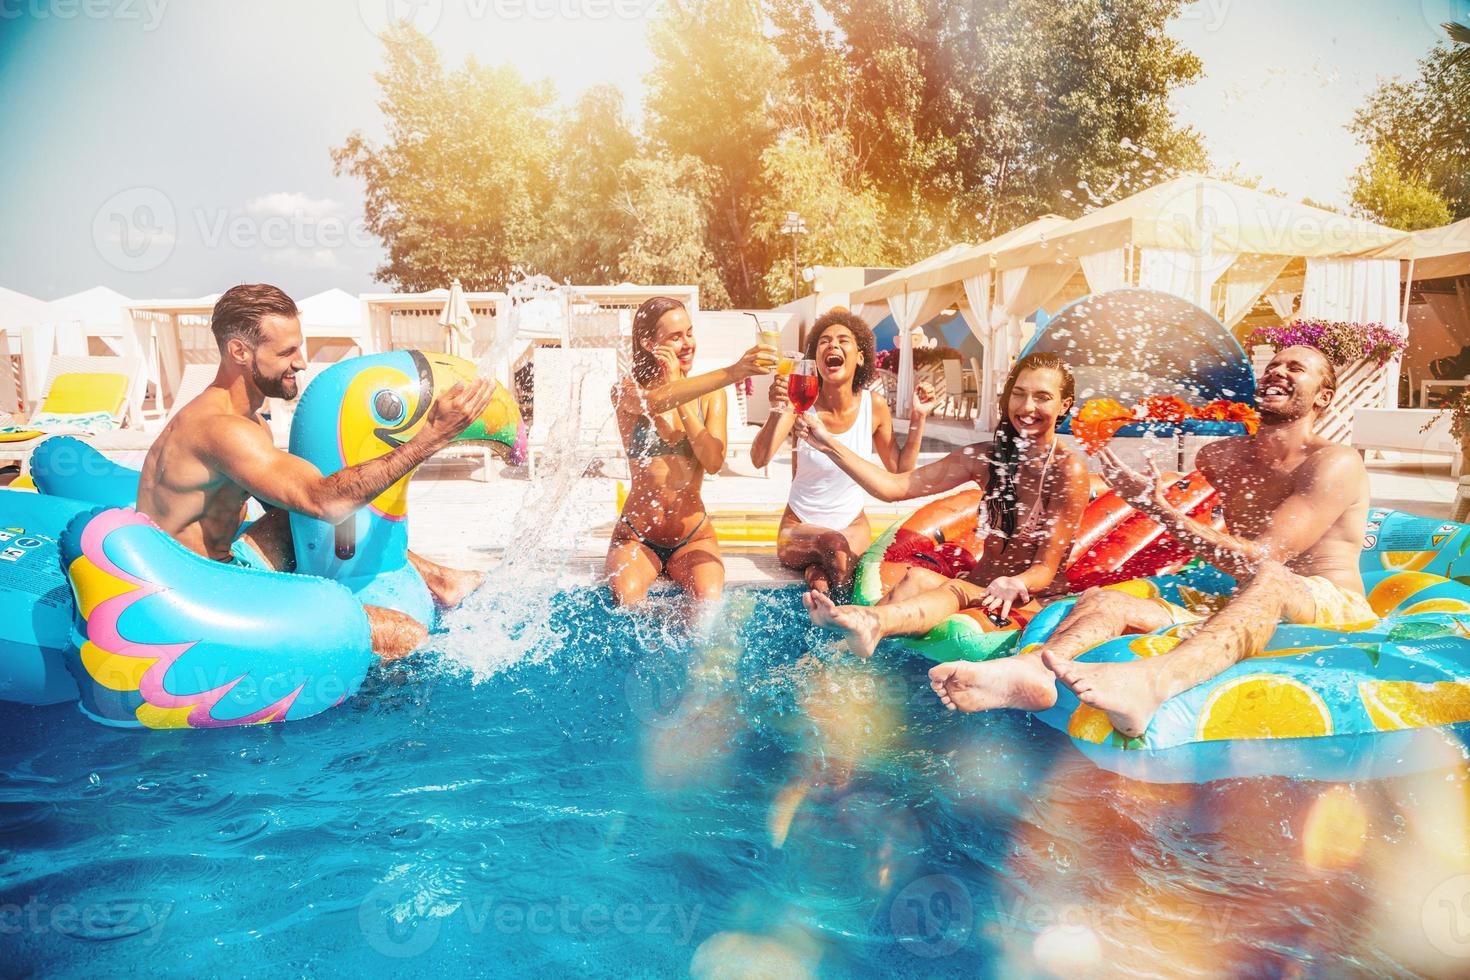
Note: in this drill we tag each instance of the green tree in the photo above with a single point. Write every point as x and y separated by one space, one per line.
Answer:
1426 122
460 185
715 79
1383 192
665 204
991 112
588 230
815 174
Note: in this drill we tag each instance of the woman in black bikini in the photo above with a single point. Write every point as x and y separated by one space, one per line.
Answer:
673 428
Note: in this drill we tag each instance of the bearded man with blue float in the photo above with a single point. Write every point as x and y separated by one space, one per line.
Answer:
160 608
217 452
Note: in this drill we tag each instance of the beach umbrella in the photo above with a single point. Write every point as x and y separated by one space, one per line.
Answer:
458 323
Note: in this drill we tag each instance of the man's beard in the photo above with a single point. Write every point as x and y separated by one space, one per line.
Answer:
272 387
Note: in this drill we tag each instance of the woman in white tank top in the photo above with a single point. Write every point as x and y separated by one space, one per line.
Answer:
824 528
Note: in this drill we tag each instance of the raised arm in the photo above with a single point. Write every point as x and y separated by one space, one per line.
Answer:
957 468
777 426
670 393
885 442
242 451
707 435
1325 488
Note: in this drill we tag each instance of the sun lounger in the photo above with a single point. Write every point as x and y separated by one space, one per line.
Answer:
1398 430
83 396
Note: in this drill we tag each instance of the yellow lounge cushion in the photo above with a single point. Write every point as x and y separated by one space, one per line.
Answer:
84 394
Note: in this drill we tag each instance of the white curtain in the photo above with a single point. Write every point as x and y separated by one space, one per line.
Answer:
1281 303
1355 290
170 355
1188 275
37 343
1104 270
1248 278
910 309
1358 291
986 325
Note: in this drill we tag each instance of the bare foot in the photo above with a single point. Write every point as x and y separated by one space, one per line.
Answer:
816 578
451 586
1124 691
1009 682
859 622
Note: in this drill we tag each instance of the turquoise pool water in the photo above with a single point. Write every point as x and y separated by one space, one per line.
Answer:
560 789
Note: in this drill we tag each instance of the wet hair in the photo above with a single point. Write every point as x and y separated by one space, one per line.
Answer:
1005 451
645 326
1329 372
862 334
239 311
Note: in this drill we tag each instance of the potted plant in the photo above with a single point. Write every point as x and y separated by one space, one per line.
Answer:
1361 352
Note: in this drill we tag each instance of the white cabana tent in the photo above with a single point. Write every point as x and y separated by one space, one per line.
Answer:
167 334
1435 268
26 323
93 321
1220 246
404 321
960 276
1434 253
332 324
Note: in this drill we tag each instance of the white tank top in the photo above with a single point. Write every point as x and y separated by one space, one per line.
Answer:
821 493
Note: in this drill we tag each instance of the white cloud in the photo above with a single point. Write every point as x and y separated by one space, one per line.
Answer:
303 258
292 203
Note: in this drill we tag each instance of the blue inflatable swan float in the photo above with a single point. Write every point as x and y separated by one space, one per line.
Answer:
101 606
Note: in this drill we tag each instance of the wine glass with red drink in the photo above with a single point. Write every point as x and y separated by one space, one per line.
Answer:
803 385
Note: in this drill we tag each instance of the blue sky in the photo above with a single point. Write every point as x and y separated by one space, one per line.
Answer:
174 147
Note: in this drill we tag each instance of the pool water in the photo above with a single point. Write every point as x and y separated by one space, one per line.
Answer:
557 788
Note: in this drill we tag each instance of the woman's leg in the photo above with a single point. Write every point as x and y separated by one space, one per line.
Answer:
915 581
826 557
866 626
697 567
630 568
